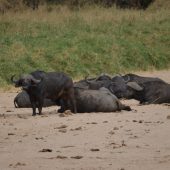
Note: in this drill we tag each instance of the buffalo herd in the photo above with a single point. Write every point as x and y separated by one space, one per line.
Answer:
98 94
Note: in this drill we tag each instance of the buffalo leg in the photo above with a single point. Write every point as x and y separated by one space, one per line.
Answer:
73 101
62 104
40 105
68 103
40 110
33 105
33 108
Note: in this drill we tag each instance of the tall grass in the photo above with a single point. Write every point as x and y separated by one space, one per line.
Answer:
87 41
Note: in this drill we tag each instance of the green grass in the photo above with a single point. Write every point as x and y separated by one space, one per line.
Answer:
88 41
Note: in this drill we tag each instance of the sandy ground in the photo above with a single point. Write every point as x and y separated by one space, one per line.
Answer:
136 140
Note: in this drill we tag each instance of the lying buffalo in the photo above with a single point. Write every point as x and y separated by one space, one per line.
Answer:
22 100
124 88
147 90
139 79
102 80
101 100
52 85
154 92
116 84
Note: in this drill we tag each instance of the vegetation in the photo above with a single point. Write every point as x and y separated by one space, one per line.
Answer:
88 40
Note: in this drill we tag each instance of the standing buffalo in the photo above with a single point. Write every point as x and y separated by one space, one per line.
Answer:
50 85
101 100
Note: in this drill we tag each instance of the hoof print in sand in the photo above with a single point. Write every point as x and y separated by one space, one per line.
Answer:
61 127
17 164
123 143
76 157
21 116
69 146
63 130
39 138
58 157
95 150
168 117
115 128
46 150
78 128
10 134
61 157
111 132
140 121
94 123
9 111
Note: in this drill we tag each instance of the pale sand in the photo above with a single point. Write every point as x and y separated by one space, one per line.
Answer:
136 140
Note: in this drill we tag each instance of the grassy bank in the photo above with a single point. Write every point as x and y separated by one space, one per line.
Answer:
88 41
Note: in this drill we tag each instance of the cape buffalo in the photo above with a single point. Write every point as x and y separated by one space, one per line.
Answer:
52 85
123 88
139 79
22 100
101 100
147 90
103 80
154 92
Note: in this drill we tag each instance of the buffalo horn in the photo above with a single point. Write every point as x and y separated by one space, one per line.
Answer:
12 79
86 79
135 86
128 79
35 80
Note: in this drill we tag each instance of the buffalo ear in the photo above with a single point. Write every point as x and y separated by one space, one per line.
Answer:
135 86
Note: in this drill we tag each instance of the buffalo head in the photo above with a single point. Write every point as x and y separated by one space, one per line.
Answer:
25 81
124 88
